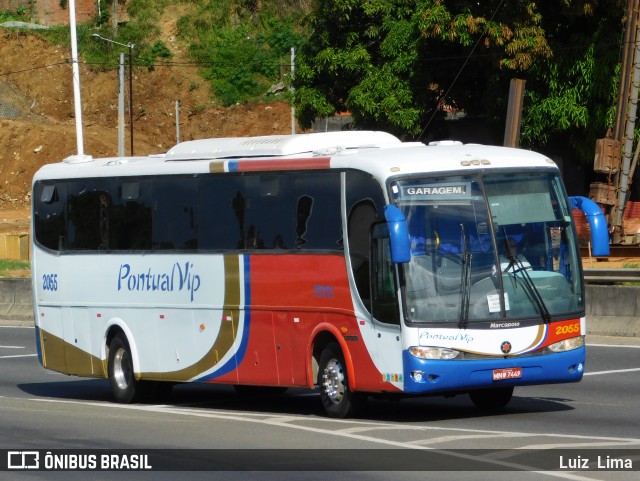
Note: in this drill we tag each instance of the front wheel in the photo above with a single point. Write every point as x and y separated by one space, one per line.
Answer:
338 400
493 398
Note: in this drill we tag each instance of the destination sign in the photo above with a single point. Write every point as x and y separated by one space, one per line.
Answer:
456 190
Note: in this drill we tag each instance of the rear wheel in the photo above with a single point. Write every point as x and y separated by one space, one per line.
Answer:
488 399
125 387
338 400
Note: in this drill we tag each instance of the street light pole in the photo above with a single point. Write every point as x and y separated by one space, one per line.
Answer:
130 46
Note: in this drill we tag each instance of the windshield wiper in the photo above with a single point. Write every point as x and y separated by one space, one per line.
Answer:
532 291
465 283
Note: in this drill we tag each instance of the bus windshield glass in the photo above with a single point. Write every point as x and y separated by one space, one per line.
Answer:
489 246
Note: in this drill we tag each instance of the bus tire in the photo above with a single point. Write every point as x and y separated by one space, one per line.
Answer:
492 398
337 398
126 389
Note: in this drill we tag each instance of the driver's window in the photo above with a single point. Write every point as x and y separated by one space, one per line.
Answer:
384 299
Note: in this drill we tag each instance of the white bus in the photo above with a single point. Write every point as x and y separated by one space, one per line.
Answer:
347 261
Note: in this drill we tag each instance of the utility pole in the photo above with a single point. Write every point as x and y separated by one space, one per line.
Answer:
130 46
615 154
76 79
514 113
293 109
629 102
177 121
121 107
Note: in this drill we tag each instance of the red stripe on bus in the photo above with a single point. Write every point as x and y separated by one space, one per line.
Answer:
283 164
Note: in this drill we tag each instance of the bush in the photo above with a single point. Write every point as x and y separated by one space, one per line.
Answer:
243 50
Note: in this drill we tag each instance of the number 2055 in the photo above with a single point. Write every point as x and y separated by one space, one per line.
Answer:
568 329
50 282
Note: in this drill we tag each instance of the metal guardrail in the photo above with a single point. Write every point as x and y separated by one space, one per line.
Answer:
610 276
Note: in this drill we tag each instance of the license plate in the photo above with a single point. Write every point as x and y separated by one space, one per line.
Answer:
507 373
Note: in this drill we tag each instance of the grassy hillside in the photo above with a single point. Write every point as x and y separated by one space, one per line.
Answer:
242 47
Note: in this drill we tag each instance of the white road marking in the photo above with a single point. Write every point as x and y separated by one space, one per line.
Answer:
11 347
448 439
18 355
286 422
598 373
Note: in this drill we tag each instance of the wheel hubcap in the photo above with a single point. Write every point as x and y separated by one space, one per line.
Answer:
122 369
333 381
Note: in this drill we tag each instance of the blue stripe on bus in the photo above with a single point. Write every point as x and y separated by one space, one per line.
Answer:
242 349
237 358
232 166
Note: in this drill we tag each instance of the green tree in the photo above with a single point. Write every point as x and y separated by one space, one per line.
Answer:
571 96
398 64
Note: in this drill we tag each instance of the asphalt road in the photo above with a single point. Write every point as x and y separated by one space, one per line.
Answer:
42 410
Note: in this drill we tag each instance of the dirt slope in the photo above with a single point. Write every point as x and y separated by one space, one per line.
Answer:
37 124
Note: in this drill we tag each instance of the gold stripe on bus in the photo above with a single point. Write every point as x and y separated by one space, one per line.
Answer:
228 328
62 356
230 315
216 167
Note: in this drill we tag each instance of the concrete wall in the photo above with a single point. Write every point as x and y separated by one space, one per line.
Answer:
15 300
611 310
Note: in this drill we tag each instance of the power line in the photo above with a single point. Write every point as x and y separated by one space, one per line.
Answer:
444 97
30 69
195 63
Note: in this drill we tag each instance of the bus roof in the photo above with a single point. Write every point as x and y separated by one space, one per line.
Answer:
279 145
379 153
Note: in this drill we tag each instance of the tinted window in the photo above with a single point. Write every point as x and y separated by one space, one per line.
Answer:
131 215
218 212
267 208
174 221
49 214
318 220
365 204
220 223
88 215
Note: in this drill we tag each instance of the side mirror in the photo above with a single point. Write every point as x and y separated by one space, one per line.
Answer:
398 234
597 224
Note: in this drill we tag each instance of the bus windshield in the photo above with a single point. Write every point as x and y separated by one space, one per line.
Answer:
487 246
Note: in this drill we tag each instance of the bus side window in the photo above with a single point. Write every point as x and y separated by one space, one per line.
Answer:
174 224
49 215
221 216
318 220
266 212
360 220
364 206
131 216
89 210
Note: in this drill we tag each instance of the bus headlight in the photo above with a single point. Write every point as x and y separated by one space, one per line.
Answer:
434 353
567 344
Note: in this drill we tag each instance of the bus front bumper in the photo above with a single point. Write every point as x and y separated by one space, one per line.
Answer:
429 376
